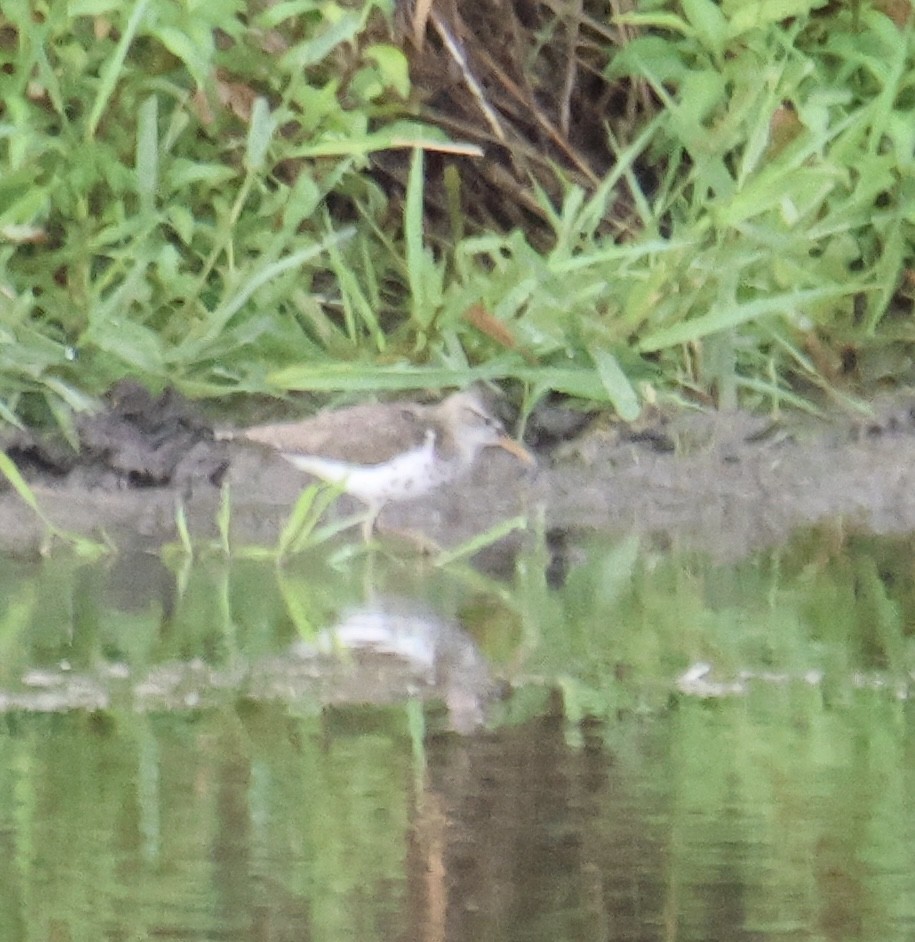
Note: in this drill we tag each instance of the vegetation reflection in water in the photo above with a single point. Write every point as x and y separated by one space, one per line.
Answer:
604 799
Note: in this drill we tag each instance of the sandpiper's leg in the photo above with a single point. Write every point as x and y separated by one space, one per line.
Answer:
370 523
417 541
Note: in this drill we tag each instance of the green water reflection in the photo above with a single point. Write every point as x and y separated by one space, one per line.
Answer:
602 798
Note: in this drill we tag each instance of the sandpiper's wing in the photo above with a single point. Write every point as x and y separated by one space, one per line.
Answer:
364 434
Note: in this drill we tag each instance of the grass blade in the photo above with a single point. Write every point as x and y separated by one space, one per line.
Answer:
113 69
9 470
479 542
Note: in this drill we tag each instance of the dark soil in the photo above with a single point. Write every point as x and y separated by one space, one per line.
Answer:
727 483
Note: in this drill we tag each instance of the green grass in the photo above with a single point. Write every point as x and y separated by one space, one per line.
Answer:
81 546
307 528
304 530
185 198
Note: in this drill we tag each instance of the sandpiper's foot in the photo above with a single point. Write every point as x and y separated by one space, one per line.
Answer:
421 543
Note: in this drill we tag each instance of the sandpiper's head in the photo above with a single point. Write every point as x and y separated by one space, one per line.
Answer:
472 427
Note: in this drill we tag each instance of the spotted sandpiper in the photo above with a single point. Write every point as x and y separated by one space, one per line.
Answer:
390 451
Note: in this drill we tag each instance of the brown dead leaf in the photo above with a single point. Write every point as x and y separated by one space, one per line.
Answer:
784 127
36 91
826 359
200 105
273 42
497 331
236 96
421 12
488 324
101 27
24 234
899 11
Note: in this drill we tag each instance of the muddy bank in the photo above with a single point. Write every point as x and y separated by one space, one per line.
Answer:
728 483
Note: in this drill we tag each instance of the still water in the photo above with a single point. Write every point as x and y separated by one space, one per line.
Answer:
641 745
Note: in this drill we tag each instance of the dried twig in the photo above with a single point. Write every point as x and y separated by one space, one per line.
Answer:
472 84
